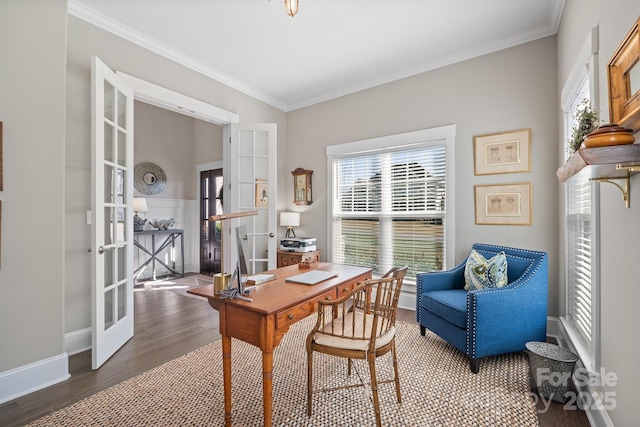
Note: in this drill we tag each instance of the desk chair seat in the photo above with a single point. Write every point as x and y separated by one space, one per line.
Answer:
359 328
359 325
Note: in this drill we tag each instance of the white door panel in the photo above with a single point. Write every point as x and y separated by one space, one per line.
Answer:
112 231
253 184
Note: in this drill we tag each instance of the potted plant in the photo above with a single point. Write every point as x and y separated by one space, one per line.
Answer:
585 121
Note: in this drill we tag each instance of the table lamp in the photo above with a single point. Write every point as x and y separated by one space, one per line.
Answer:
139 205
290 220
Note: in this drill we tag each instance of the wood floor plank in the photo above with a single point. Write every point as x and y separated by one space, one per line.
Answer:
167 326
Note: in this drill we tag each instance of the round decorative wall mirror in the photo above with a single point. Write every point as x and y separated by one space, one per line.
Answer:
149 178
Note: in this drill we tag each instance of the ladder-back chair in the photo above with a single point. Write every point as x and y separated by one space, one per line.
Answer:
359 325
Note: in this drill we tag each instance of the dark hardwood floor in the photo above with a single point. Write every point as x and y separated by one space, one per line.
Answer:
168 325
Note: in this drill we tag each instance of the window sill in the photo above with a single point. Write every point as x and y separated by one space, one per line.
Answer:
577 345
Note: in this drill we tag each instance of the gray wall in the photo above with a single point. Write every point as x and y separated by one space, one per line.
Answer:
32 107
620 227
507 90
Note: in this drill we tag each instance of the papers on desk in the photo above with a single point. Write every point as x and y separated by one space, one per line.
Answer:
312 277
256 279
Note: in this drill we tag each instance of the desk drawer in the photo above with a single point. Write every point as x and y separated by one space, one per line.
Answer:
288 317
346 288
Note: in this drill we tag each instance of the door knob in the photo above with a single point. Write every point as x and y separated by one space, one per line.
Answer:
271 234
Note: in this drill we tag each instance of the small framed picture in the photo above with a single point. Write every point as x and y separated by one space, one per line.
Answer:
505 152
262 194
503 204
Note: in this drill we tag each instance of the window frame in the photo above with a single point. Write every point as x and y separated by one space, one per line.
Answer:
585 67
444 135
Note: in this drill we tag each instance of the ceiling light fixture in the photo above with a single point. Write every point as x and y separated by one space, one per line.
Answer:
291 6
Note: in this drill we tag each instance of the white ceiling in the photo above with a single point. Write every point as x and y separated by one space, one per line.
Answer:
330 48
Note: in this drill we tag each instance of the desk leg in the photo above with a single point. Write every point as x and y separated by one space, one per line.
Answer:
267 386
226 367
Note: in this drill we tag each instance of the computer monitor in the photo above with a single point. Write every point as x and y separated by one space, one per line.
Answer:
240 272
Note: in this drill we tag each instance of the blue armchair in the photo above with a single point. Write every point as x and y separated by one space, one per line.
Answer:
491 321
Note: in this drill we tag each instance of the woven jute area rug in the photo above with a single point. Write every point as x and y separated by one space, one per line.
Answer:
437 386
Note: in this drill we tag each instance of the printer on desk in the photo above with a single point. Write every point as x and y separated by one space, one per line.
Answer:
298 244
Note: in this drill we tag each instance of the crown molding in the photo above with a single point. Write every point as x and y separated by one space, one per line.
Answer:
541 32
112 26
551 28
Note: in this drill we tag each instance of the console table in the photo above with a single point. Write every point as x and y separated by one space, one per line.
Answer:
285 258
170 236
276 306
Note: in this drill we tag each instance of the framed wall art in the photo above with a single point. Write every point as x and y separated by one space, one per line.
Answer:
505 152
262 194
503 204
623 75
302 186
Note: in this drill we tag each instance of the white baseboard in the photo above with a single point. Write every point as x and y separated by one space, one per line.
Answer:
553 329
33 377
77 341
407 301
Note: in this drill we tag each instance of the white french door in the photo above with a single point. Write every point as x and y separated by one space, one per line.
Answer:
112 225
252 176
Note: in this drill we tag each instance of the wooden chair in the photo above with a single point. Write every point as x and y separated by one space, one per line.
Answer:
359 325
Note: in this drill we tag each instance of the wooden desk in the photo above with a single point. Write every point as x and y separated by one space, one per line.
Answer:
276 306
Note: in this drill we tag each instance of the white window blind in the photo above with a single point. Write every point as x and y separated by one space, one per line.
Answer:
389 208
579 250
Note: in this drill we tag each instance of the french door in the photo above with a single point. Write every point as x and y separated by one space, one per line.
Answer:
112 221
252 176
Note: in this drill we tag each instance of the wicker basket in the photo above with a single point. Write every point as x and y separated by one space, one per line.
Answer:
552 367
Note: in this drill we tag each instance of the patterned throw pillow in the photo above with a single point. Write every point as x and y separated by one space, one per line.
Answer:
480 273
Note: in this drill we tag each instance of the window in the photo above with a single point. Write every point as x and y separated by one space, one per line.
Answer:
582 222
579 254
391 200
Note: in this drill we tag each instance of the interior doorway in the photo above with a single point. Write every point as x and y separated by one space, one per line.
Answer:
210 233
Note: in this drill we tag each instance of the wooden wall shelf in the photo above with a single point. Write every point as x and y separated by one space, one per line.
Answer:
612 162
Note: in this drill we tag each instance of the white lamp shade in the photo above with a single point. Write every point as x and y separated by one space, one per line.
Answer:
289 219
140 204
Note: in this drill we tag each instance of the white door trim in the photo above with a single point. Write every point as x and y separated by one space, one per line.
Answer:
168 99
